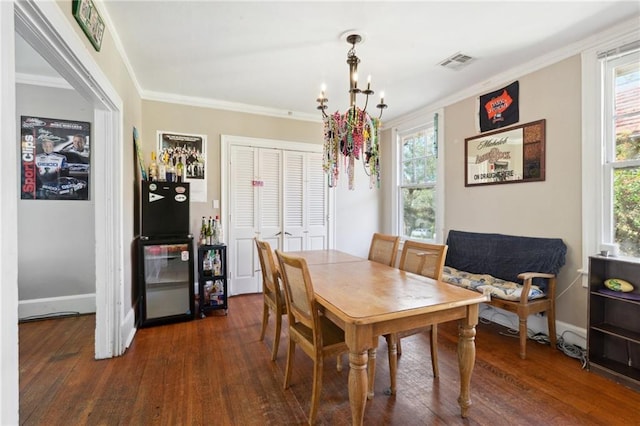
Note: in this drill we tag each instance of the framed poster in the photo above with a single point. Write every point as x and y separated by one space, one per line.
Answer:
516 154
55 158
190 150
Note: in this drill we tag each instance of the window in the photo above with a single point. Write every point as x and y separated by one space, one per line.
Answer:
621 165
611 147
417 182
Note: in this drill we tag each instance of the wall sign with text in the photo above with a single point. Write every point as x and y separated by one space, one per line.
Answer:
511 155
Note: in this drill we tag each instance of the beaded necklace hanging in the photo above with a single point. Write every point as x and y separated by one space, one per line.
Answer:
354 135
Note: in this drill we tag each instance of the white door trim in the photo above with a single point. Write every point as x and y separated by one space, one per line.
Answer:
45 27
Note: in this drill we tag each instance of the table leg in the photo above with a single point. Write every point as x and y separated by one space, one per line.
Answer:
466 357
357 385
392 347
371 372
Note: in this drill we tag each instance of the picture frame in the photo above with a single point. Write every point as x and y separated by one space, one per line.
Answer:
55 159
511 155
87 15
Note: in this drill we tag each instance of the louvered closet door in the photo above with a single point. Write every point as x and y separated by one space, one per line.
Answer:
279 196
305 204
255 212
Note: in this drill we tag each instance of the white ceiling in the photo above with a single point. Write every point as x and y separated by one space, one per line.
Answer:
276 55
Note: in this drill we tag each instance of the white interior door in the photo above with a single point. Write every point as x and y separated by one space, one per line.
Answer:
278 195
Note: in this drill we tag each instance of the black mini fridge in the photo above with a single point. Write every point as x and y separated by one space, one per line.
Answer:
166 280
165 255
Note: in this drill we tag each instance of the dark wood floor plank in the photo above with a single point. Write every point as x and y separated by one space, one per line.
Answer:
216 371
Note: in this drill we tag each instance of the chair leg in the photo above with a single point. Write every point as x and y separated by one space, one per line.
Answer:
399 346
523 337
434 350
551 322
317 387
265 319
339 363
371 371
290 353
276 339
392 346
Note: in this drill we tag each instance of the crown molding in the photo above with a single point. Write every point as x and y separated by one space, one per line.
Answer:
42 80
229 106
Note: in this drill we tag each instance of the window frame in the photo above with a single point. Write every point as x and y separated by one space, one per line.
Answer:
597 130
424 121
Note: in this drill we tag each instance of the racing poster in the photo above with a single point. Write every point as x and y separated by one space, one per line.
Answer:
500 108
55 159
189 151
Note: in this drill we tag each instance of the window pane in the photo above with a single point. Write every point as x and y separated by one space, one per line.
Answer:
627 111
418 213
626 210
419 161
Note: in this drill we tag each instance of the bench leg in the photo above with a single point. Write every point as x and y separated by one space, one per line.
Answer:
523 337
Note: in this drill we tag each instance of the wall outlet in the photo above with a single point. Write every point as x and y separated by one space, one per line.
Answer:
216 204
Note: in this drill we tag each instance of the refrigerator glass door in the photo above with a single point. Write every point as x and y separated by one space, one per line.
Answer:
167 280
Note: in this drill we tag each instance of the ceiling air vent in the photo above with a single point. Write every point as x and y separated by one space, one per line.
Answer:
457 61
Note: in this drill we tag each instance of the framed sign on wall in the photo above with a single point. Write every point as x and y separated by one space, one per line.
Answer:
90 21
515 154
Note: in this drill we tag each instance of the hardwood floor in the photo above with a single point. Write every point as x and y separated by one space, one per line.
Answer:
215 371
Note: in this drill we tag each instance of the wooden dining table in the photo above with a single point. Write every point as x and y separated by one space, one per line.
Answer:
368 299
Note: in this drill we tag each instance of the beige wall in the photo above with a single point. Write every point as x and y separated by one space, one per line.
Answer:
546 209
214 123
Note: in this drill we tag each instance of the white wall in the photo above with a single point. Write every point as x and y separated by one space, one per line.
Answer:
56 238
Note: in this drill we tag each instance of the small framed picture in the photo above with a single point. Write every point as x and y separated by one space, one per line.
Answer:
90 21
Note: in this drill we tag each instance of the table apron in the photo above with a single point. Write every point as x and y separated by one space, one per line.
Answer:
417 321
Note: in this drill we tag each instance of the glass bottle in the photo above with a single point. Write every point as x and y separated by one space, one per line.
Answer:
217 264
219 230
203 231
209 232
171 171
179 169
153 167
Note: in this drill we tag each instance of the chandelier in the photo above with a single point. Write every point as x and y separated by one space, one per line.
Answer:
354 134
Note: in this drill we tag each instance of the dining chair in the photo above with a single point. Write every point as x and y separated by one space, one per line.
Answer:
427 260
316 335
273 295
384 248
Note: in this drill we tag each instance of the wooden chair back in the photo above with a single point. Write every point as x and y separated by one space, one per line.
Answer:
384 248
299 294
270 271
423 258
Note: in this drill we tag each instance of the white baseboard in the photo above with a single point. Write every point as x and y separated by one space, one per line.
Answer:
128 328
52 306
537 324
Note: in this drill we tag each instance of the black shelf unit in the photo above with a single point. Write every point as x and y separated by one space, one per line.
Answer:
212 279
614 330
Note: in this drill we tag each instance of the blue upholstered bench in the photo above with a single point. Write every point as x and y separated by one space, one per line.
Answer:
518 272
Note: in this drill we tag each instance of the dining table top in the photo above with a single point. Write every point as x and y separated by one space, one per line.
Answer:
364 291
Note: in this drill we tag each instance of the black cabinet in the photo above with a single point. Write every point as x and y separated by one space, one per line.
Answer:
212 278
614 325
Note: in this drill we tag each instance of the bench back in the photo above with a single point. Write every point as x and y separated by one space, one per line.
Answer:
504 256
